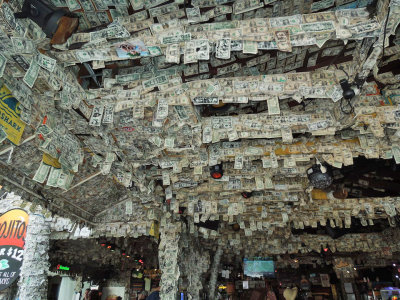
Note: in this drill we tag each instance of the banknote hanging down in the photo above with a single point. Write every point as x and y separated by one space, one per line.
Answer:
282 33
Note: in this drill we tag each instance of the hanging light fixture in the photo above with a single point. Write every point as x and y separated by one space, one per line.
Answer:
319 176
348 92
216 171
247 195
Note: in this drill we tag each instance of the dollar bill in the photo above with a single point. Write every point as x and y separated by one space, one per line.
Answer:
222 10
318 26
312 60
152 3
190 55
193 14
22 45
302 39
100 5
258 60
319 125
396 153
205 100
238 162
313 92
162 10
228 69
331 51
282 38
273 105
115 15
320 5
137 4
171 16
236 45
287 138
9 15
122 105
92 19
319 17
83 56
223 49
46 62
120 5
242 6
53 177
173 54
87 5
123 79
267 45
285 21
204 3
59 3
98 35
26 116
103 17
65 180
32 73
364 27
42 172
154 50
176 38
138 111
73 5
155 81
181 112
3 62
162 109
202 49
250 47
108 116
97 114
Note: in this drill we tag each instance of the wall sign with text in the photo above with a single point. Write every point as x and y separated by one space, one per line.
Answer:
13 225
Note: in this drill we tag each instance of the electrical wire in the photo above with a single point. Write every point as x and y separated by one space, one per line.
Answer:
342 108
305 104
342 69
336 57
351 107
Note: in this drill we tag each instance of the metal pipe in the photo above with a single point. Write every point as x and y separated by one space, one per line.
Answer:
42 198
28 139
82 181
65 200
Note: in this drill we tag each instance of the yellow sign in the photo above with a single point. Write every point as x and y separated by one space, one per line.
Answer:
10 116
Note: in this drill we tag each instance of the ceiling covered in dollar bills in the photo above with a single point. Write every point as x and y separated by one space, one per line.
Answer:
124 121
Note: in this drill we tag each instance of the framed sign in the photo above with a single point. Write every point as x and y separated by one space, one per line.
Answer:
13 225
10 116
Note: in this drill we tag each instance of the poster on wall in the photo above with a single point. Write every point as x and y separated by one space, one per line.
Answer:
13 225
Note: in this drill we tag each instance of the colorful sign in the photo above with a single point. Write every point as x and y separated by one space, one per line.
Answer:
13 225
10 113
